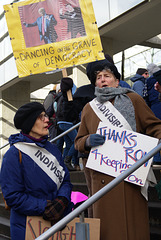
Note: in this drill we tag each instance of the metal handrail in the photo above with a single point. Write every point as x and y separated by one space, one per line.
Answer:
64 133
59 225
4 145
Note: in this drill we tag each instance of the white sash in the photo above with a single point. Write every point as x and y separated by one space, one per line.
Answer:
106 112
45 160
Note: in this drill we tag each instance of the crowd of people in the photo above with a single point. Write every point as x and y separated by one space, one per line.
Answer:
35 177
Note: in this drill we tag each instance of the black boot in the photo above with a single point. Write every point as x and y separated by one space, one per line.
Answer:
67 161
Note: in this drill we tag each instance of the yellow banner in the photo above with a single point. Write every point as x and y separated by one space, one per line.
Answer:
47 35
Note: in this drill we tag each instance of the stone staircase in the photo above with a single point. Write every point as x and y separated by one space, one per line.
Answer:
79 184
4 220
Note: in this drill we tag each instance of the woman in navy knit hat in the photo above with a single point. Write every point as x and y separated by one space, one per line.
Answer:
34 180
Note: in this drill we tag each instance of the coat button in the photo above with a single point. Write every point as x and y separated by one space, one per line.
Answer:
102 181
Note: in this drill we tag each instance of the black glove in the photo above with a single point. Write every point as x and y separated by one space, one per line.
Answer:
66 84
94 140
55 209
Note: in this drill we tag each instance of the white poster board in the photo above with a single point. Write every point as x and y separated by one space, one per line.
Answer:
122 148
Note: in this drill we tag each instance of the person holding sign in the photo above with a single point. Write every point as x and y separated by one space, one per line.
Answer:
34 179
123 211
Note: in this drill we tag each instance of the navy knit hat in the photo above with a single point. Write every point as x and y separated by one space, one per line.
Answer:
26 116
93 67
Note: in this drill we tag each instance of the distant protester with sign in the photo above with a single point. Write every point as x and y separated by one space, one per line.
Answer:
45 25
123 211
34 179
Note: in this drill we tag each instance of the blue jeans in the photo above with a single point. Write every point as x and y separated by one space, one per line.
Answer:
60 141
157 158
69 141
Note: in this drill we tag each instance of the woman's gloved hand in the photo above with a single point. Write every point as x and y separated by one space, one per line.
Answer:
55 209
94 140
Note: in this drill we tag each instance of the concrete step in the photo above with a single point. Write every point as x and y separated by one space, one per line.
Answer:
80 187
77 176
79 182
155 216
154 205
3 237
155 233
4 228
153 195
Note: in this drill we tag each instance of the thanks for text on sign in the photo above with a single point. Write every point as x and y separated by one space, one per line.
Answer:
122 148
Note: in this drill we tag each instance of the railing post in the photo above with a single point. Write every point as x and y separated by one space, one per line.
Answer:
82 229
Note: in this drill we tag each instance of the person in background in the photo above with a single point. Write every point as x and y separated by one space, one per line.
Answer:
153 98
139 81
30 184
120 209
49 109
124 84
153 95
70 154
57 110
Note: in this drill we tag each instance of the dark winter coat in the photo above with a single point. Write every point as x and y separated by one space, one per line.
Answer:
139 82
122 209
152 98
26 187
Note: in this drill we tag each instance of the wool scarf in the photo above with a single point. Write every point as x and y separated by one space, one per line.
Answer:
121 102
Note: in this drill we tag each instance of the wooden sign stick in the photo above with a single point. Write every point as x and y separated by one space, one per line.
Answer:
69 93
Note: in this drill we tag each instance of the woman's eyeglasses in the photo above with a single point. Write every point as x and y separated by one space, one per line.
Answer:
43 116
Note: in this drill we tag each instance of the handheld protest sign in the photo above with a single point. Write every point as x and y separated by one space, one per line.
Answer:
69 93
36 225
122 148
43 39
